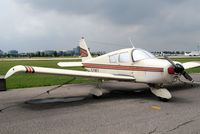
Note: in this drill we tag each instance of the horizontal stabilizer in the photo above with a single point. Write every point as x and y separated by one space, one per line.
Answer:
70 64
53 71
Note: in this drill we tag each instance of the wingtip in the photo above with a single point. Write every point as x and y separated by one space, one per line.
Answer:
14 70
10 72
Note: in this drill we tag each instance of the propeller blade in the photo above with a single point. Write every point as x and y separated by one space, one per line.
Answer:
167 58
179 69
187 76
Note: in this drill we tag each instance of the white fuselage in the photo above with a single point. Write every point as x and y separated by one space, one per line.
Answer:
129 62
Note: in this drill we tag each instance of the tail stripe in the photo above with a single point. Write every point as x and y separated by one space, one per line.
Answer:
83 52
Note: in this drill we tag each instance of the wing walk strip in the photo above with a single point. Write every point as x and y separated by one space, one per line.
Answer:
120 67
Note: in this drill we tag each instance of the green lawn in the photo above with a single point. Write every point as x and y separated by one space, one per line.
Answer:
193 70
22 80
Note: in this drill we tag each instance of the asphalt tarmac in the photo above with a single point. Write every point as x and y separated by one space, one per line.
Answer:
71 110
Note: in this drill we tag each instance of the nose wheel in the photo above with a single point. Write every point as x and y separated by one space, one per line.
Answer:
163 99
162 93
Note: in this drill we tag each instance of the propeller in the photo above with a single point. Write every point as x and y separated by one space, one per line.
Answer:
178 68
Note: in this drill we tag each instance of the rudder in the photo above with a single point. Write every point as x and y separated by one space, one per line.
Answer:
84 51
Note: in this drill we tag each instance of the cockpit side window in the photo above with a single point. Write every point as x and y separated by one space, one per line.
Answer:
113 58
140 54
124 57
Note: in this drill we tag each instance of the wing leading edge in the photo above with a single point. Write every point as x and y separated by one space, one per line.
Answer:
191 64
53 71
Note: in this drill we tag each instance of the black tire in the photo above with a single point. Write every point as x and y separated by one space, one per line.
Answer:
163 99
96 97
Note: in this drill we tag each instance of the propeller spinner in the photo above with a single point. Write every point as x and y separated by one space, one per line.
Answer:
179 69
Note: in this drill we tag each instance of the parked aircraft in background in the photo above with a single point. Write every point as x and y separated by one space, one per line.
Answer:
193 53
130 64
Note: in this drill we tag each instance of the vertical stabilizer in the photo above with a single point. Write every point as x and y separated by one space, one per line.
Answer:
84 51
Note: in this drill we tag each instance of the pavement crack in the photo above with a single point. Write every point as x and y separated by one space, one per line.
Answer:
153 131
180 125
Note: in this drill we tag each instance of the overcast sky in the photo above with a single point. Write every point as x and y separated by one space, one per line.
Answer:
31 25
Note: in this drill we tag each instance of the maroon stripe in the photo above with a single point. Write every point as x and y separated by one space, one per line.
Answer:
33 71
29 69
119 67
26 69
84 55
83 52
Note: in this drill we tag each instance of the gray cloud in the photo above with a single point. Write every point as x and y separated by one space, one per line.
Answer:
126 12
49 24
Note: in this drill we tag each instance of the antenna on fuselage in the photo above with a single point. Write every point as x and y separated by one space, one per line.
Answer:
131 42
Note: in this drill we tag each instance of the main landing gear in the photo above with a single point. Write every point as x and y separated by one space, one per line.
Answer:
98 91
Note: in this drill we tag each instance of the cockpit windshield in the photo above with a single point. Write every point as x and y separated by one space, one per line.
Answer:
140 54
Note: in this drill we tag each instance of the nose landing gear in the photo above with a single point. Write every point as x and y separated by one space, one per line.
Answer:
162 93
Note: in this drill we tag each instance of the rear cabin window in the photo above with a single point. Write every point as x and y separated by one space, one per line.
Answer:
113 58
124 57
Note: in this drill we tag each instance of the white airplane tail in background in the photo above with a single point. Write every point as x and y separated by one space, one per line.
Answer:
84 51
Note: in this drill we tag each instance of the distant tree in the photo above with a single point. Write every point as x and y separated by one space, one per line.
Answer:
177 52
55 54
41 54
37 54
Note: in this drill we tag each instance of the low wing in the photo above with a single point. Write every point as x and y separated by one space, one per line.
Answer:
191 64
70 64
53 71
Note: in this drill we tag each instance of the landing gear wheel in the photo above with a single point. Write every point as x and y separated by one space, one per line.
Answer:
96 97
163 99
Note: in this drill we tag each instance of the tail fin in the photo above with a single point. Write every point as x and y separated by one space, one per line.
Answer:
84 51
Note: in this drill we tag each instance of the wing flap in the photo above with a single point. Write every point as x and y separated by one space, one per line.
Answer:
191 64
53 71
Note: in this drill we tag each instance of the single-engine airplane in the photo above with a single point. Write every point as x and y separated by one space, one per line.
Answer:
130 64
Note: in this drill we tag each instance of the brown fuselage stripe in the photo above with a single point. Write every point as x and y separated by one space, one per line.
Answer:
120 67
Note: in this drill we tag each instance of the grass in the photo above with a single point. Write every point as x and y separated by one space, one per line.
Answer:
23 80
193 70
